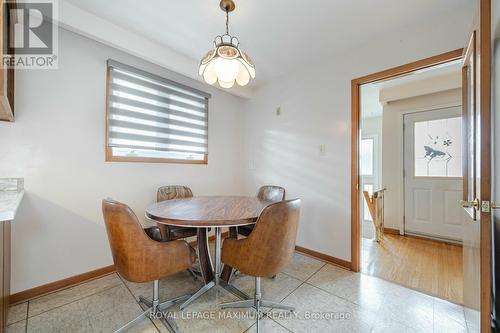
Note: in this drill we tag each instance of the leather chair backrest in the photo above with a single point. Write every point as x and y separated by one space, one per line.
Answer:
126 238
170 192
271 193
272 241
136 256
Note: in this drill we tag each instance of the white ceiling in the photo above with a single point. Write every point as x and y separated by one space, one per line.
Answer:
280 35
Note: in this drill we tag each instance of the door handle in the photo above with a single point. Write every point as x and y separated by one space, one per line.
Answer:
470 204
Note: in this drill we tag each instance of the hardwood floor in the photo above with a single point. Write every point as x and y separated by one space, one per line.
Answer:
425 265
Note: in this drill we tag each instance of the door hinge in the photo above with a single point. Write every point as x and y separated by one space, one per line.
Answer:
404 173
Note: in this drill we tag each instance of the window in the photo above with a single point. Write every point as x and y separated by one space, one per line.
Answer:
366 157
152 119
438 148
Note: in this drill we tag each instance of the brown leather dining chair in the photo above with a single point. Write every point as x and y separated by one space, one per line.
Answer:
139 258
265 252
170 192
170 232
268 193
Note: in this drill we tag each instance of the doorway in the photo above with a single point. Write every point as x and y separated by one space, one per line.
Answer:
410 154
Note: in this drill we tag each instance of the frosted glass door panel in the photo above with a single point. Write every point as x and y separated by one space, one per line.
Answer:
438 148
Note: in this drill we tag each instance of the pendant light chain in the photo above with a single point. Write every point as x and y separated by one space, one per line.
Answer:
226 64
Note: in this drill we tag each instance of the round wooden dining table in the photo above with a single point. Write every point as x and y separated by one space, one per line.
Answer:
209 212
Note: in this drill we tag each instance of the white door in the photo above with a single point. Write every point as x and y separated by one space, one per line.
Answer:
433 173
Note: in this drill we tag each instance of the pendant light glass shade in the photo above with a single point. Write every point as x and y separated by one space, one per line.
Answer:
226 63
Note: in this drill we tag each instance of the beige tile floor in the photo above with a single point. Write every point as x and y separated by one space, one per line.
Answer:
327 299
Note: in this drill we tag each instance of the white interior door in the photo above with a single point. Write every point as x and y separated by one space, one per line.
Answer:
433 173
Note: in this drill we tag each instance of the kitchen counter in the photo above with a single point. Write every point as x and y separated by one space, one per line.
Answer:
11 194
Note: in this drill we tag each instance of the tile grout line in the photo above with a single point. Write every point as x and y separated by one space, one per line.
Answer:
348 301
287 295
315 272
375 312
465 320
76 300
300 285
82 297
286 329
64 288
301 282
332 294
282 326
17 321
27 311
427 293
375 277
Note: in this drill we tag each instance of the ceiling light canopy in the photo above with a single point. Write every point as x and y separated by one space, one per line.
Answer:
227 63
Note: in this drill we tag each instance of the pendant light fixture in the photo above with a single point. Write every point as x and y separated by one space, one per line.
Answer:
227 63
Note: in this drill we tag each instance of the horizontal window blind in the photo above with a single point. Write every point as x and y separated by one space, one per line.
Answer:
150 116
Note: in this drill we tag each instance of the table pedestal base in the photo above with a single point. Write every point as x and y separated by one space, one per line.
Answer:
211 285
217 281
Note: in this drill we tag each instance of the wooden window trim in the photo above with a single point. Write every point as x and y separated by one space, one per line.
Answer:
111 158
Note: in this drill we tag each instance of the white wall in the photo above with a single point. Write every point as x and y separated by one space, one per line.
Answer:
57 145
392 161
315 103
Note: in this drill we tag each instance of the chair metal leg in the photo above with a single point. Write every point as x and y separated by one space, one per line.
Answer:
248 303
277 306
194 274
257 308
258 297
169 324
196 295
257 302
232 289
133 322
154 309
146 301
173 301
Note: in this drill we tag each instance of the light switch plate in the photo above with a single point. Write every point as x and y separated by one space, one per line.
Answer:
322 150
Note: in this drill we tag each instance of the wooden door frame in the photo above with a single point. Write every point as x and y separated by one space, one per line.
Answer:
483 68
356 135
